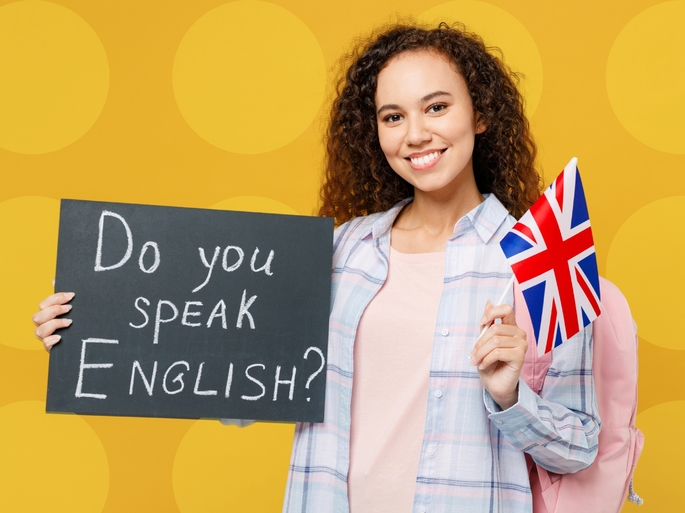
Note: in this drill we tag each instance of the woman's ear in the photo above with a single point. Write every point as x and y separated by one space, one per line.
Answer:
480 125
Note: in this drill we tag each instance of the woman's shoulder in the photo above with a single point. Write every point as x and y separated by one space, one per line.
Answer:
353 230
357 225
353 234
362 226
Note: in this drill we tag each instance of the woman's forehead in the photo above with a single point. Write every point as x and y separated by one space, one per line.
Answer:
417 73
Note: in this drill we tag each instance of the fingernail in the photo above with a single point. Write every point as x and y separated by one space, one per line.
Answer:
483 320
66 308
52 339
70 295
67 322
481 367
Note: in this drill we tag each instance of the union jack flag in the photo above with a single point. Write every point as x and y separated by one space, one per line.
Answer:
552 254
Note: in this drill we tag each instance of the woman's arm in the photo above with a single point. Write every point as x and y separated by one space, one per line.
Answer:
559 427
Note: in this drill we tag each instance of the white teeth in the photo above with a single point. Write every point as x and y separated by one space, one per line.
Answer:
420 161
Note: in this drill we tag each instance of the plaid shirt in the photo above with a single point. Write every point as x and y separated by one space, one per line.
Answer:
472 457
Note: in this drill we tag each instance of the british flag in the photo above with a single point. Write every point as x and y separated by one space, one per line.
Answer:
552 254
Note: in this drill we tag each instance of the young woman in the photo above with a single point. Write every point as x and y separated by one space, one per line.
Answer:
429 161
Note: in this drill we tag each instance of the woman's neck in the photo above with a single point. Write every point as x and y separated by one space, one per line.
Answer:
425 225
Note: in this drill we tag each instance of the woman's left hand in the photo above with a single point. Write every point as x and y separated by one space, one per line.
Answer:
499 354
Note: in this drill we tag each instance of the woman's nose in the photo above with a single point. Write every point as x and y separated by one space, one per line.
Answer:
417 132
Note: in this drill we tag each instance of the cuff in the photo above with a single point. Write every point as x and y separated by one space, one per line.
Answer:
241 423
517 416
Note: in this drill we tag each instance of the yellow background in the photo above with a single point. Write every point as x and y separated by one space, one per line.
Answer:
215 104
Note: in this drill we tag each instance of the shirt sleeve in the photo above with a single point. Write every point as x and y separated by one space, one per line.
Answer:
237 422
558 428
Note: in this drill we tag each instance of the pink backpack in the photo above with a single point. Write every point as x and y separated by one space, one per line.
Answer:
603 486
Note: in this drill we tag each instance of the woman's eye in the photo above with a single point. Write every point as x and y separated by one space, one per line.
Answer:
393 118
436 108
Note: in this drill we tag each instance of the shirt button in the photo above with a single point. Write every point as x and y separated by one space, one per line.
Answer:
422 509
430 452
438 394
445 332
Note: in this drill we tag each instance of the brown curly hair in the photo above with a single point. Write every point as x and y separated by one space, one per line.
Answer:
358 179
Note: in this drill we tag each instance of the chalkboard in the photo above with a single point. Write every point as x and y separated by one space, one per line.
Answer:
191 313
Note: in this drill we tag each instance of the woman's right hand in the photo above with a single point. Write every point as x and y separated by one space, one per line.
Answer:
46 320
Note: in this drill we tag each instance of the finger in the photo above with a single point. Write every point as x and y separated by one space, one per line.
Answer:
510 356
495 342
498 312
494 330
48 328
49 313
488 307
484 326
509 317
56 299
50 341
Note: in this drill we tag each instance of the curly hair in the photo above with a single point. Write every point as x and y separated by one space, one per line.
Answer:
358 179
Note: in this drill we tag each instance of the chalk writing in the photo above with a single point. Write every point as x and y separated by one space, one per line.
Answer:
191 313
83 366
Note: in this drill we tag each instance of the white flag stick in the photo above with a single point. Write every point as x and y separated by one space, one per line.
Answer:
499 302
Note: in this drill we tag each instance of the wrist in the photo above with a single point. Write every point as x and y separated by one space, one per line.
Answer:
506 401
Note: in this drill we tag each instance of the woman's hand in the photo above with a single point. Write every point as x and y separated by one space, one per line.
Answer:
499 354
46 320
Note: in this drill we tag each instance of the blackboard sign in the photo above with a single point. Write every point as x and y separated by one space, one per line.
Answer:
191 313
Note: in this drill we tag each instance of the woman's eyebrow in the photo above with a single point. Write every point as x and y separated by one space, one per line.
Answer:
389 106
427 98
430 96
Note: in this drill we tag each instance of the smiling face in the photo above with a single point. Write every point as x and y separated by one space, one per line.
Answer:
426 123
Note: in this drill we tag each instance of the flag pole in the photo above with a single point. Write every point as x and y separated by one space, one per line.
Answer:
499 302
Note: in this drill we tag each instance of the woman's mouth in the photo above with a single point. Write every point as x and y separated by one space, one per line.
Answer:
425 161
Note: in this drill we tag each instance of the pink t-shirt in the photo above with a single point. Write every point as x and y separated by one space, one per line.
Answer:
392 355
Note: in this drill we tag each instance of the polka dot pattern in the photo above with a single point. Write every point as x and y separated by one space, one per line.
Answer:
498 28
664 450
249 101
55 77
254 204
653 290
223 105
29 226
48 461
211 455
646 77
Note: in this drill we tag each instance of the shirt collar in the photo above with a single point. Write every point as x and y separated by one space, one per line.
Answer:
486 218
387 219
